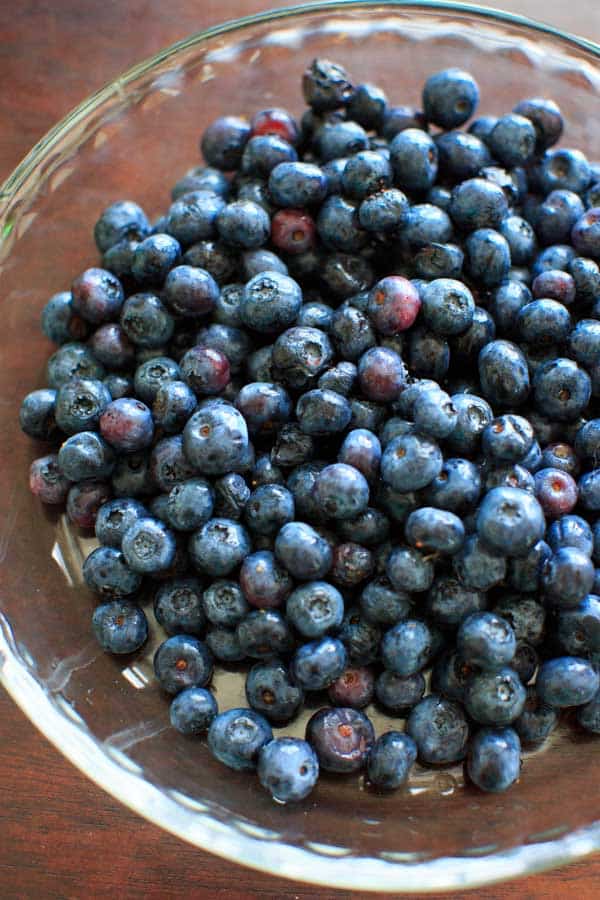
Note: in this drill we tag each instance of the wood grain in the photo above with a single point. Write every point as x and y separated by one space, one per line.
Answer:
60 836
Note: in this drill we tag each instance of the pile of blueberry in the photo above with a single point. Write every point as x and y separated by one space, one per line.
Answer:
338 409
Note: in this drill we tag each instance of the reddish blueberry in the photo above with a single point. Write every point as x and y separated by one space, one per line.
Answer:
556 492
46 481
293 230
394 304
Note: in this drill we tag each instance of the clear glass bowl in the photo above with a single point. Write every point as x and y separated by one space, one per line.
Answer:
133 139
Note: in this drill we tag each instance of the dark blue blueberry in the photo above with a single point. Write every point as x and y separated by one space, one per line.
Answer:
361 449
546 118
567 577
72 361
335 140
391 759
201 178
205 370
571 531
263 152
224 603
178 606
292 447
398 118
450 97
414 159
587 441
588 716
428 354
474 413
232 342
119 626
236 738
435 530
59 322
315 608
557 256
132 476
264 633
215 257
288 769
486 640
565 169
215 438
315 315
227 305
461 155
36 415
478 567
439 196
297 184
244 224
567 681
503 373
507 439
152 374
352 563
556 215
512 140
448 601
584 342
410 462
438 261
409 570
118 259
399 693
408 647
271 692
451 675
321 412
482 126
190 504
182 661
589 490
192 711
586 275
510 521
554 284
223 142
384 211
439 729
578 629
477 203
352 332
269 507
148 546
153 258
341 737
354 688
494 760
366 173
457 488
510 475
300 483
520 237
264 582
97 295
524 614
168 465
112 347
271 302
537 721
123 220
79 405
146 321
115 517
543 321
487 257
319 663
106 573
505 303
561 389
173 405
341 491
338 225
495 697
367 105
127 425
425 224
190 291
192 217
371 528
301 354
86 455
218 547
326 86
366 414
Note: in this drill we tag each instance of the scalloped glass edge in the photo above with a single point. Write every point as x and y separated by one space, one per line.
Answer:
70 735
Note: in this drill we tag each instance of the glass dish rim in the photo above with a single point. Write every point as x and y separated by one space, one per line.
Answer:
118 776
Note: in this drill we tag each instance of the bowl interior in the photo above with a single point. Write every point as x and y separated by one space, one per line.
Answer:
134 141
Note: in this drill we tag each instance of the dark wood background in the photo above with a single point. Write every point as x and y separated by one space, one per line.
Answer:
60 836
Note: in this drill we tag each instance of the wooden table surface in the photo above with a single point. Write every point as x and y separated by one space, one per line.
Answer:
60 836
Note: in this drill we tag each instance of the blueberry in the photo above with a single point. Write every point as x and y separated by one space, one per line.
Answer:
36 415
271 302
270 691
354 688
486 640
321 412
451 675
588 715
537 721
584 342
234 343
201 178
153 258
300 483
243 224
97 295
366 414
315 608
263 581
132 476
520 237
477 203
111 347
510 521
72 360
236 738
106 573
428 354
351 564
478 567
578 629
567 577
425 224
399 693
555 285
556 216
120 627
448 601
153 374
457 488
503 373
434 530
495 697
224 603
223 643
474 413
487 257
168 465
571 531
292 447
589 490
384 211
381 374
119 221
564 169
114 518
450 97
190 504
173 405
543 321
409 570
268 508
215 438
315 315
361 449
391 759
556 492
546 118
326 86
414 159
59 322
367 105
216 257
371 528
410 462
341 491
338 139
148 546
366 173
205 370
85 455
178 606
288 769
557 256
439 729
352 333
507 439
223 142
297 184
461 155
338 225
408 647
263 152
264 633
301 354
586 275
567 681
398 118
512 139
146 321
494 760
192 711
317 664
341 738
218 547
127 425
